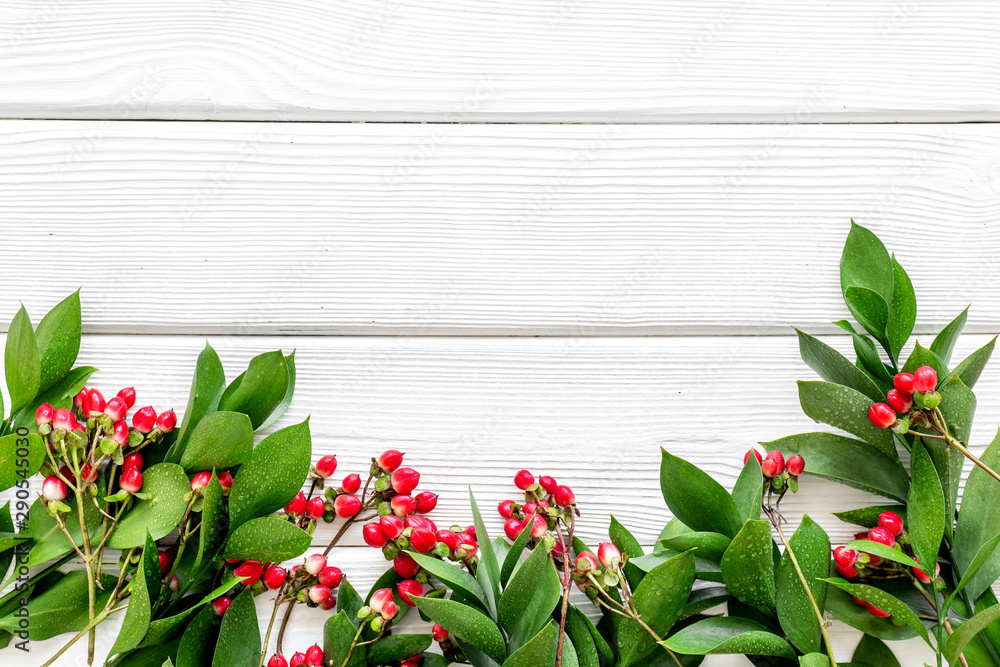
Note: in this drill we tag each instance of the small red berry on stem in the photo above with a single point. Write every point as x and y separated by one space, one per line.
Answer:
404 480
326 466
891 522
331 576
564 496
846 571
391 525
226 480
438 633
752 452
389 610
899 401
298 660
390 460
587 562
63 420
316 508
116 408
144 419
795 465
93 403
277 660
903 383
409 589
314 656
346 505
131 480
450 539
315 563
405 566
200 481
844 556
505 508
166 422
373 535
512 528
881 415
120 432
297 505
220 605
44 414
403 505
274 577
881 536
609 555
875 611
426 502
165 561
319 593
351 483
422 540
547 483
380 598
54 488
417 521
250 572
128 395
773 465
78 399
924 379
523 479
133 460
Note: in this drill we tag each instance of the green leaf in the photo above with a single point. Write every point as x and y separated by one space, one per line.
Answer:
967 631
978 523
578 631
866 263
48 540
706 545
977 563
338 635
467 623
144 590
834 367
870 310
239 636
925 517
530 597
287 400
702 599
513 556
199 639
348 600
489 568
873 651
20 458
972 366
883 551
867 517
220 440
207 386
167 484
59 395
21 361
884 601
921 356
159 655
214 522
958 405
848 461
696 499
58 609
452 576
749 490
944 342
846 409
259 390
660 600
849 612
748 565
902 310
58 340
728 635
539 652
276 471
397 647
811 547
269 539
869 360
628 545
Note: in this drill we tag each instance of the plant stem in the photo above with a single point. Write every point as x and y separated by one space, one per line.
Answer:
90 567
354 644
567 587
270 624
942 426
284 624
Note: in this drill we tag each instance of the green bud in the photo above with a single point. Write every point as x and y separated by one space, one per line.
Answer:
384 509
902 426
383 484
932 399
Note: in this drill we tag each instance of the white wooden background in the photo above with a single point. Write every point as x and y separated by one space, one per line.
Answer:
554 235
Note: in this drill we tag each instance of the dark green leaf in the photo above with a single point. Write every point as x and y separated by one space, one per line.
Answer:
873 651
983 555
214 522
965 633
846 409
696 499
198 641
145 588
925 519
59 395
921 356
979 522
869 360
20 458
748 565
159 655
530 597
268 539
467 623
850 462
811 547
578 632
338 636
58 339
870 310
287 400
220 440
161 514
59 608
883 551
706 545
703 599
452 576
902 310
239 636
513 556
972 366
884 601
749 490
276 471
540 651
833 367
866 279
867 517
207 386
944 342
628 545
259 390
727 635
847 611
489 567
21 361
348 600
660 600
397 647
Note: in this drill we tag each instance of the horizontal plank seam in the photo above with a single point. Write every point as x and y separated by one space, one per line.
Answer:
995 118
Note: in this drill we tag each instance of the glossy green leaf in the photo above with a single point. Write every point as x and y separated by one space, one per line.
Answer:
873 651
967 631
207 386
452 576
982 556
811 547
869 360
260 389
59 395
466 623
348 600
926 507
20 458
48 540
851 462
628 545
706 569
728 635
338 635
8 540
289 392
161 514
220 440
59 608
513 557
978 523
578 632
883 551
706 545
276 471
269 539
144 590
921 356
696 499
870 310
846 409
660 600
489 567
58 340
865 262
846 610
972 366
944 342
540 651
397 647
160 655
749 490
199 639
958 405
867 517
239 636
530 597
834 367
703 599
748 565
21 361
902 310
214 522
884 601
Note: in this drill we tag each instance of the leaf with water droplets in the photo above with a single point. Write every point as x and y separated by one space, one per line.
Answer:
239 636
267 539
846 409
748 565
728 635
167 484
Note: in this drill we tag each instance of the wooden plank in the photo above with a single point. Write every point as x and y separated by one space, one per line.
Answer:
488 230
568 61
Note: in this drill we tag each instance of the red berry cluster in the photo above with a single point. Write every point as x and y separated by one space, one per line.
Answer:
858 564
782 474
910 395
545 502
589 575
94 437
312 656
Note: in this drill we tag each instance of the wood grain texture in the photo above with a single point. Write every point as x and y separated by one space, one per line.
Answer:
562 61
575 231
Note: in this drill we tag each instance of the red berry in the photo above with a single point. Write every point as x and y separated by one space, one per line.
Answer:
922 576
116 408
88 473
564 496
752 452
795 465
881 536
390 460
331 576
63 420
274 577
166 422
351 483
505 508
296 505
326 466
373 535
924 379
380 598
78 399
523 479
315 563
316 508
277 660
422 540
608 554
347 505
881 415
329 603
120 432
773 465
220 605
174 584
314 656
846 571
449 537
426 502
144 419
405 480
226 480
132 461
538 526
891 522
391 525
389 610
529 508
903 382
512 527
844 556
438 633
250 572
165 561
409 589
403 505
128 395
417 521
547 483
405 566
899 401
200 481
298 660
93 403
875 611
54 488
319 593
131 480
44 414
587 562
